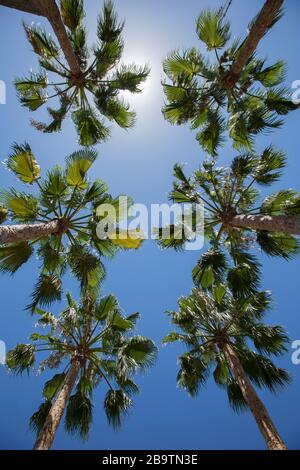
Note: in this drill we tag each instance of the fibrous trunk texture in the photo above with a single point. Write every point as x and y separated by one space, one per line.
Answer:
271 223
259 28
24 232
46 435
259 411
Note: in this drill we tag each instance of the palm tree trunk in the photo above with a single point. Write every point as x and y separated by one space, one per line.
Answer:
34 7
46 435
260 27
21 233
271 223
49 10
259 411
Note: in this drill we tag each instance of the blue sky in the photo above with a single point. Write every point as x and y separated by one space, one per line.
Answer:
139 163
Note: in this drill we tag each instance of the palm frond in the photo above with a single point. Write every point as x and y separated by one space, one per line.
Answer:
209 269
116 404
212 30
109 29
23 163
21 358
278 244
47 289
72 13
52 386
79 415
89 128
13 256
38 419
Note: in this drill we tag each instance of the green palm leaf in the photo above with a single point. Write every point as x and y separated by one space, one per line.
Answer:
78 164
79 415
13 256
47 290
38 419
21 358
116 404
72 13
53 385
89 128
23 163
22 207
212 31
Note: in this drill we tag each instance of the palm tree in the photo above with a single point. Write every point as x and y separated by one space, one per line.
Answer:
99 78
219 330
236 92
60 220
90 343
236 217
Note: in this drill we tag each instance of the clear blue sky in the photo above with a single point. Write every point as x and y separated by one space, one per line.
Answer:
140 163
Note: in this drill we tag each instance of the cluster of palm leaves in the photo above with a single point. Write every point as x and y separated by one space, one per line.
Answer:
225 193
99 336
67 196
92 93
206 321
198 90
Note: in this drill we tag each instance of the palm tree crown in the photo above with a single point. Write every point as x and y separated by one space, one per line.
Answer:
208 321
227 192
66 198
198 91
98 335
100 78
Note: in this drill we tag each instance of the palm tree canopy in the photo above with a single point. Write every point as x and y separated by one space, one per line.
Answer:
197 91
226 192
69 196
100 336
95 92
205 321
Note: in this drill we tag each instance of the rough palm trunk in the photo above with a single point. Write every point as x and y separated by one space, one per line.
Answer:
275 223
47 433
259 28
259 411
21 233
49 10
30 6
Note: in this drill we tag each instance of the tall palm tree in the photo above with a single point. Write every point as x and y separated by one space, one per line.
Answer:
220 331
92 92
91 343
59 219
236 92
236 216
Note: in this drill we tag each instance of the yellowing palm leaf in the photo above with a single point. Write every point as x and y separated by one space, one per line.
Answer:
78 165
23 164
128 239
